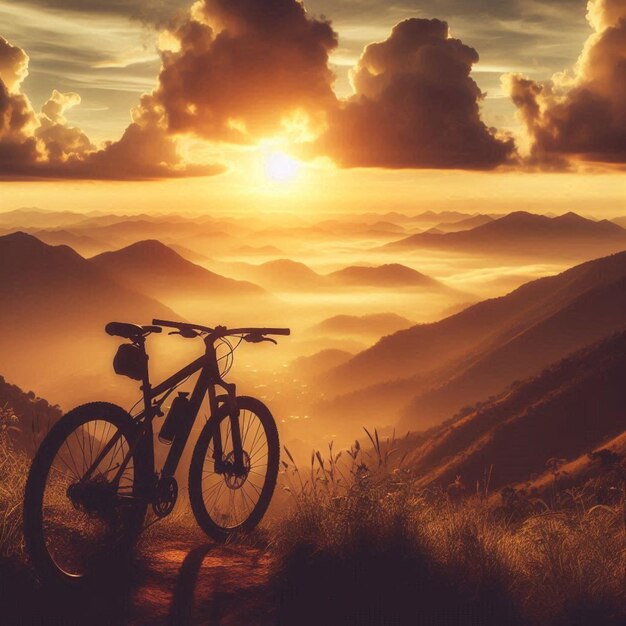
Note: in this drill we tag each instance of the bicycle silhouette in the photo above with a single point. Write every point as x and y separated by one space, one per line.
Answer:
93 476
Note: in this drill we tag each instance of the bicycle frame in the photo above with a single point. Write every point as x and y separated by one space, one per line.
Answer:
208 380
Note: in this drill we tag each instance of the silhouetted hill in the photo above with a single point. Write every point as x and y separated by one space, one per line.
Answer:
464 224
429 348
311 366
153 268
48 282
83 244
259 251
568 410
54 306
33 217
522 233
392 275
283 274
377 324
588 318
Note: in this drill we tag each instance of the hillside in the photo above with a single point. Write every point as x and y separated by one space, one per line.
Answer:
590 317
464 224
282 274
428 348
376 324
522 233
33 415
390 275
153 268
313 365
55 305
43 285
572 407
83 244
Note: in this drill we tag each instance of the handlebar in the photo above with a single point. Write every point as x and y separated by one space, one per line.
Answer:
221 331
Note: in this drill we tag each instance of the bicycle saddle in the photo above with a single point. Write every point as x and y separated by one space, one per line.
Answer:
129 331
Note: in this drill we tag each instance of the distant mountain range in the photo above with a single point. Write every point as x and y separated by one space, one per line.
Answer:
155 269
524 234
54 306
465 224
430 371
288 275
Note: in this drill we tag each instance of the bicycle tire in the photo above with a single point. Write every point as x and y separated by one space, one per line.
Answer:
203 516
33 515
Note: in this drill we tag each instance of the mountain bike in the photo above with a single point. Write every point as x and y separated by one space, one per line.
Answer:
93 477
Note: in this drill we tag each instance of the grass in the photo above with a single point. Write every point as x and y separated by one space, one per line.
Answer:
14 467
363 545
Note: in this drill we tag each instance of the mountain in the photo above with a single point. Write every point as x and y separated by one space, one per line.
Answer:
33 217
283 274
568 410
465 224
620 221
391 275
288 275
588 318
440 217
377 324
54 306
522 233
313 365
83 244
259 251
152 268
190 255
428 349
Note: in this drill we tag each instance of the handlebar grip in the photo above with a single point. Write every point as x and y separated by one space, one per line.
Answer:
276 331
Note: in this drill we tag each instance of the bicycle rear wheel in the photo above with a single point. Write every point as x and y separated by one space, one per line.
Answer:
76 521
225 503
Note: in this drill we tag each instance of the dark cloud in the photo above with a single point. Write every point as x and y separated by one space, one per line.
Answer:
583 115
44 145
244 67
415 106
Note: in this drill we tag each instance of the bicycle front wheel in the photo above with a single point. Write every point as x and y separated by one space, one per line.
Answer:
77 510
227 503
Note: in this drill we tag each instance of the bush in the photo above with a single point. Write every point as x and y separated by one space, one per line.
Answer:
364 546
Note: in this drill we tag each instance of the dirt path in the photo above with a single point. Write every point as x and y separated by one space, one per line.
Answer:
187 582
171 582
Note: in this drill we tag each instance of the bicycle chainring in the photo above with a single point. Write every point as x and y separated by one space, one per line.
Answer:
165 497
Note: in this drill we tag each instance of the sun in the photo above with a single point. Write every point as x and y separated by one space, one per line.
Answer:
281 168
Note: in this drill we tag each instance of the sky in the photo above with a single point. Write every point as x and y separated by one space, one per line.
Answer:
239 105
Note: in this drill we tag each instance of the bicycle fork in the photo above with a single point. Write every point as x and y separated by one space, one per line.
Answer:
229 399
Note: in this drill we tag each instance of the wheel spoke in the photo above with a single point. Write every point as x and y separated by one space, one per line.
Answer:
228 498
81 516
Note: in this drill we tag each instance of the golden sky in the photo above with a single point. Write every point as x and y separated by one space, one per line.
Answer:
351 105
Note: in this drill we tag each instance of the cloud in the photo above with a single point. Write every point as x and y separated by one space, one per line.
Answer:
239 70
415 106
581 115
149 11
44 145
13 65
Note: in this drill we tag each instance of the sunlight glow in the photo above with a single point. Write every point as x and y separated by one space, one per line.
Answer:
280 167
